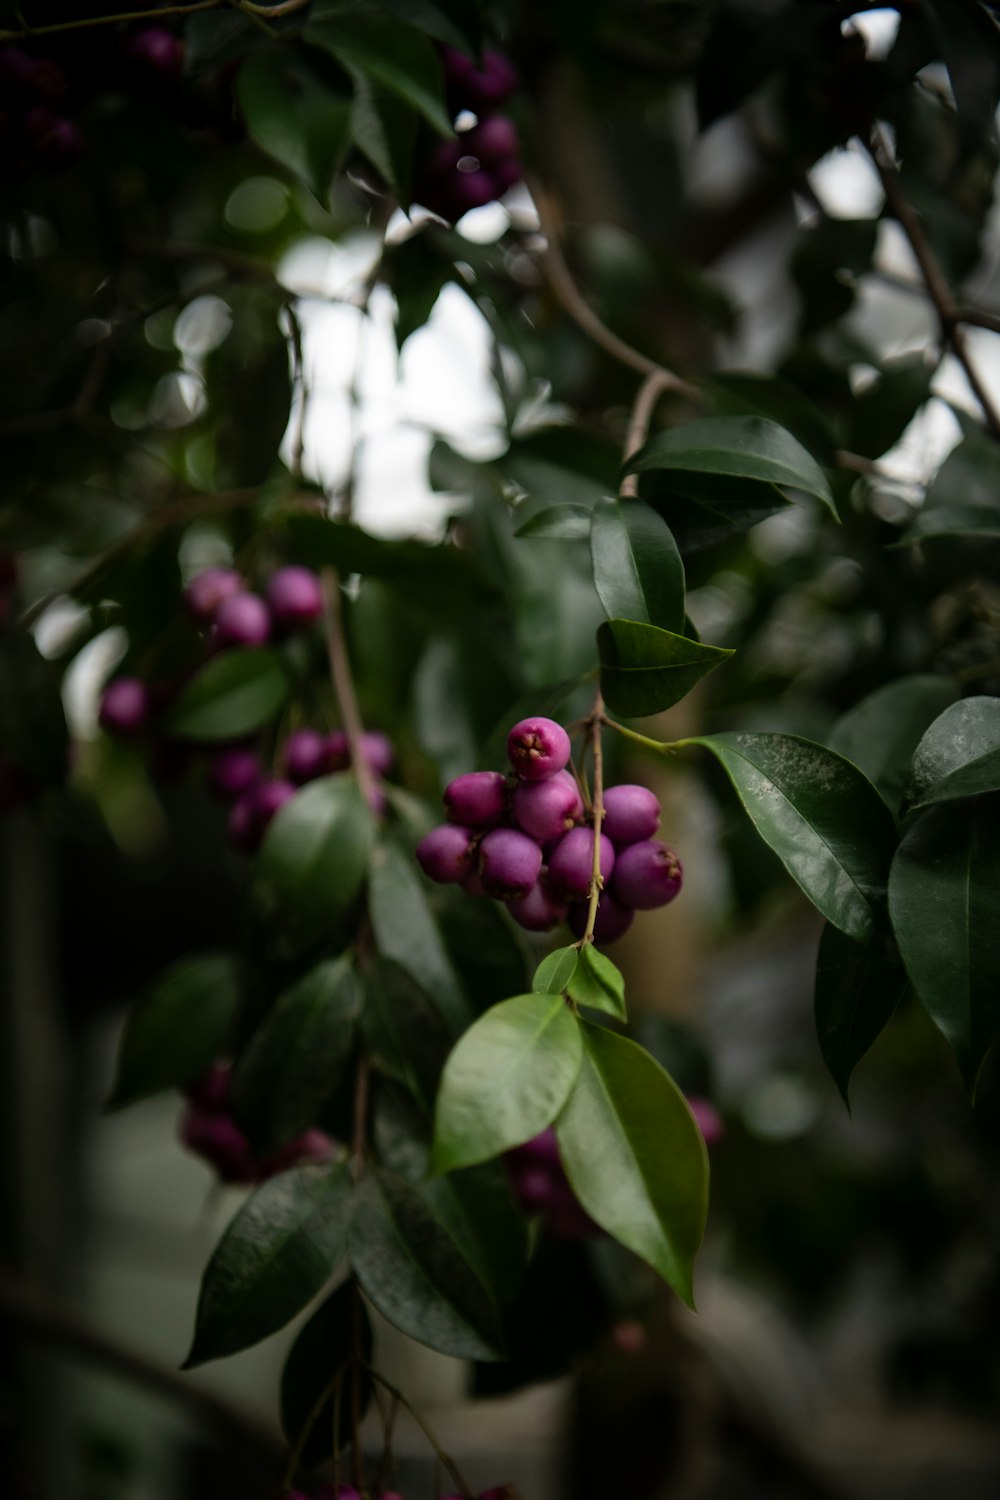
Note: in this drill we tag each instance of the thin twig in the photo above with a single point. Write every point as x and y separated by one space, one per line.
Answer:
597 818
662 747
26 30
653 387
568 294
438 1451
343 686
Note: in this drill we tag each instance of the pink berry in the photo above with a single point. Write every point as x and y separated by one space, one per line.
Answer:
157 49
233 772
295 596
547 809
377 750
206 592
445 854
476 799
538 748
306 755
241 620
647 875
493 140
221 1142
571 863
509 863
55 141
477 88
125 706
270 797
707 1119
251 815
612 921
541 909
631 814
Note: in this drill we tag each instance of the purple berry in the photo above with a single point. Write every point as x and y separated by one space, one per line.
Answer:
338 750
476 799
471 190
206 592
571 863
55 141
445 854
377 750
541 909
612 921
312 1147
493 140
546 809
647 875
233 772
505 174
241 620
538 748
125 706
295 596
270 797
253 812
509 863
306 755
707 1119
211 1091
479 89
157 49
220 1141
631 814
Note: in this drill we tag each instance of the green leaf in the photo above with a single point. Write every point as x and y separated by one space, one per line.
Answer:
751 448
554 973
294 1060
232 695
284 1243
295 116
312 864
967 38
742 393
567 523
370 38
385 128
880 733
456 22
477 1208
321 1358
634 1156
506 1080
964 499
880 414
598 983
249 372
821 816
858 987
405 1035
645 669
415 1273
944 895
638 571
959 756
406 932
182 1026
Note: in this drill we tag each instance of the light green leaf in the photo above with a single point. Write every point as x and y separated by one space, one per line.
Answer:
598 983
406 932
645 669
554 973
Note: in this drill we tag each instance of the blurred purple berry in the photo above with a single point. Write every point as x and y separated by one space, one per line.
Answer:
306 755
631 814
211 1091
125 706
270 797
55 142
295 596
233 772
338 750
612 921
241 620
251 815
509 863
476 799
707 1119
541 909
220 1141
493 140
546 809
477 88
312 1147
445 854
505 174
157 49
377 750
647 875
538 748
571 863
206 592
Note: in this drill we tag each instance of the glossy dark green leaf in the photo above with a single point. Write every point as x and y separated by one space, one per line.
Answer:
285 1242
294 115
322 1382
568 523
477 1208
369 37
959 756
406 932
554 973
506 1080
751 448
858 986
416 1275
294 1060
598 983
232 695
634 1156
740 392
944 895
821 816
645 669
406 1037
880 733
638 571
312 864
386 130
181 1026
456 22
484 947
709 510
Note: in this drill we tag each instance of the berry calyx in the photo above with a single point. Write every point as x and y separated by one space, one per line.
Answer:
647 875
538 748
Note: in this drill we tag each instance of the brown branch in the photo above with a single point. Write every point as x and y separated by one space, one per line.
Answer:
26 30
653 387
343 686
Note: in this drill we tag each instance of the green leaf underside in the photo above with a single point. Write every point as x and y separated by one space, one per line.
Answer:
554 973
645 669
295 1058
944 896
821 816
881 732
857 991
959 756
506 1080
598 983
634 1155
322 1355
638 572
568 523
406 932
415 1274
740 447
182 1026
313 863
232 695
284 1243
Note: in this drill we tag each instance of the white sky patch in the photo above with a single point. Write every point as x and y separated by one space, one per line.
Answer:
846 183
879 29
84 679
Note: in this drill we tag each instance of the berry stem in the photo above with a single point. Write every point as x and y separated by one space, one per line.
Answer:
662 747
439 1452
594 724
329 1391
343 685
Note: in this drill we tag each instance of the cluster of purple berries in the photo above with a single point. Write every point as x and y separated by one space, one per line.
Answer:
522 840
481 163
208 1129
